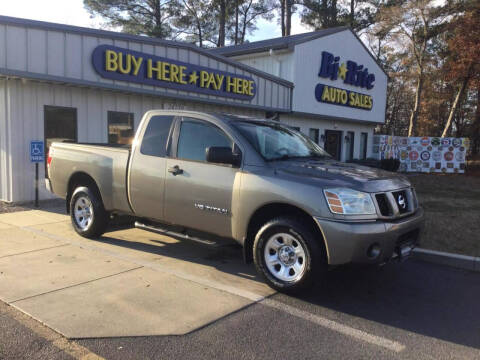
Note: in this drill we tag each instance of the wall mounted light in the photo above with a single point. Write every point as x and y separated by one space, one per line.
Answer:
322 137
347 139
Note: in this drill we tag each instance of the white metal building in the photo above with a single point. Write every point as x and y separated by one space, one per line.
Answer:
339 94
62 82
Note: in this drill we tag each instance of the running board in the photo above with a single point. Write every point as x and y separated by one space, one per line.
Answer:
166 232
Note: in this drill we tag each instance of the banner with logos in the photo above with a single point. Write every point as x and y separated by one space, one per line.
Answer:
423 154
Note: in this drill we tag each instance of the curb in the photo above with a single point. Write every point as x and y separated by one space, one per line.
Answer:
465 262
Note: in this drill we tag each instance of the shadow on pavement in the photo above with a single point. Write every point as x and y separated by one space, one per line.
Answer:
422 298
226 257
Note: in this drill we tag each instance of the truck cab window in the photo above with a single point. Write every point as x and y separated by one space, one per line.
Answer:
155 138
195 137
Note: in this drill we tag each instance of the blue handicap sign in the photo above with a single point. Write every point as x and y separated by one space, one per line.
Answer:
37 151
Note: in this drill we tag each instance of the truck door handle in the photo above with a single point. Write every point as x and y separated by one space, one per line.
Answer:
175 170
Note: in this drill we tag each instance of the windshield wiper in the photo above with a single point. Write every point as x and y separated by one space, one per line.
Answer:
285 157
289 157
323 157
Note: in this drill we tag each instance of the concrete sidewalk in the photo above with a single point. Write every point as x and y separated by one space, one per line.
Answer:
129 283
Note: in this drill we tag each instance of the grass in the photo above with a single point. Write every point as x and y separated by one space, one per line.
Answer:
452 209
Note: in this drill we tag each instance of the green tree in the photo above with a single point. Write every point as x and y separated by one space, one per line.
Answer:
320 14
463 63
197 22
411 26
141 17
357 14
247 12
286 8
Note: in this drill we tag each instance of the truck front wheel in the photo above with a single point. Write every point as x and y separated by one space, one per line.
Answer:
288 255
89 218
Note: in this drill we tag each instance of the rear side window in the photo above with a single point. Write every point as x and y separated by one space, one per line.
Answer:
195 137
155 138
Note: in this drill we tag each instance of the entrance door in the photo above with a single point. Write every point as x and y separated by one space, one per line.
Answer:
333 143
60 125
349 146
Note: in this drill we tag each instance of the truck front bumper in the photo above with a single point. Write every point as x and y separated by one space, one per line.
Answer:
371 242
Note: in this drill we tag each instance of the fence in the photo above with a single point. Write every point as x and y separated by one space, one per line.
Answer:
423 154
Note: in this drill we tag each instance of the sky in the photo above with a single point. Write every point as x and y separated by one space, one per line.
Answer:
72 12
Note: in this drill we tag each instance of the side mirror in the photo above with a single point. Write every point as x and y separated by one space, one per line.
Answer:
222 155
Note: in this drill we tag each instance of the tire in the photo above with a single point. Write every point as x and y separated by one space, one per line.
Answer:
296 259
89 218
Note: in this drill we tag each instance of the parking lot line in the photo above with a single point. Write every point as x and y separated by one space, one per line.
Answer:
335 326
256 298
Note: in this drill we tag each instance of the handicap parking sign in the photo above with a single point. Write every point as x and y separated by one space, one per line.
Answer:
37 151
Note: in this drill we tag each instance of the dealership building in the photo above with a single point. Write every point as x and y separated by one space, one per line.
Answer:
66 83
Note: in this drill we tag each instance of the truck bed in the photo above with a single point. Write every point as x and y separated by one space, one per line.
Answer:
105 163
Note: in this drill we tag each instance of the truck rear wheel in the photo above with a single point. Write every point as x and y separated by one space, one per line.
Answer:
288 255
89 218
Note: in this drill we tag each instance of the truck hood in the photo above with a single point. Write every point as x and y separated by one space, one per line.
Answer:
333 173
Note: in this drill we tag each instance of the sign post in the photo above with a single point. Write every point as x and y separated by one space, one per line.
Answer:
37 155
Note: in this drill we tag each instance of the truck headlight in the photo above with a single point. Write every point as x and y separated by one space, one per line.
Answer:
349 202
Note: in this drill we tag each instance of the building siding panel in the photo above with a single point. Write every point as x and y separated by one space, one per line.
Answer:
73 56
3 45
16 48
37 51
55 53
89 44
5 158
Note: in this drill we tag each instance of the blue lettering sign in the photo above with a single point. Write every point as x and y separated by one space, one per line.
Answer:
37 151
132 66
351 73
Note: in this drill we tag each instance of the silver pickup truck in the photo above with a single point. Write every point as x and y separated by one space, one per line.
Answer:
294 210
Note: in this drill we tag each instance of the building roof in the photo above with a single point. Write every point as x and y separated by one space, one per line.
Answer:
284 42
8 20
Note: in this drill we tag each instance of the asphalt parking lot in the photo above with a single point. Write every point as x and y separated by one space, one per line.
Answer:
137 295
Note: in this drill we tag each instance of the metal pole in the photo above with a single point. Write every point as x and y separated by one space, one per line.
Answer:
36 184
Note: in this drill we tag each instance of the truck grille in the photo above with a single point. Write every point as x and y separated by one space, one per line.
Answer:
396 204
401 201
383 205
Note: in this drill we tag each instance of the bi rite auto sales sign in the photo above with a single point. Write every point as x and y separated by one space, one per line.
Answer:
352 74
126 65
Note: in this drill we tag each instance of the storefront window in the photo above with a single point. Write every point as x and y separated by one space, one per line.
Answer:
363 145
314 135
120 127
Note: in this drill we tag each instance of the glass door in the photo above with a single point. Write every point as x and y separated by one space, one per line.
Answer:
333 144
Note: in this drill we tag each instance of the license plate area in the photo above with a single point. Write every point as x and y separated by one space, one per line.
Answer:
405 244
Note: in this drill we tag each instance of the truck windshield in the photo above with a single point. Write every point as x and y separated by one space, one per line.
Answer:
277 142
